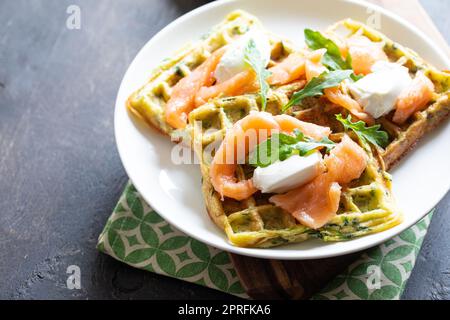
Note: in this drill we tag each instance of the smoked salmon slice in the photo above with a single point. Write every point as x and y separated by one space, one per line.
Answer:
243 82
364 53
182 99
288 70
315 203
344 100
414 98
346 161
224 164
289 124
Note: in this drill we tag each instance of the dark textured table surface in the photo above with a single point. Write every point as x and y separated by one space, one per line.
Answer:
60 174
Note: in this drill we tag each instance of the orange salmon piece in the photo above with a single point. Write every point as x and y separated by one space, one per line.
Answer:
344 100
289 124
243 82
288 70
224 164
414 98
364 53
346 161
182 99
313 204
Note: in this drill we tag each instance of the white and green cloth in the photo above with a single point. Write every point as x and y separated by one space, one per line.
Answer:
137 235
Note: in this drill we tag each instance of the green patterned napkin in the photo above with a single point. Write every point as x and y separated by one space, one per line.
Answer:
137 235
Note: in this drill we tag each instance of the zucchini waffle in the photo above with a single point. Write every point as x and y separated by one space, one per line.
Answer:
149 102
402 138
366 206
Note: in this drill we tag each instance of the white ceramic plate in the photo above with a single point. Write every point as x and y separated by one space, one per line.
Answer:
173 191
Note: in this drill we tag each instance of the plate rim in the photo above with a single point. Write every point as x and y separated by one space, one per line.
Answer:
270 253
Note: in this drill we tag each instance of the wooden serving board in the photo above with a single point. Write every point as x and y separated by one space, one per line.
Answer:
277 279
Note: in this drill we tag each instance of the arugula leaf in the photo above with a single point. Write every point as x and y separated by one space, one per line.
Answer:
266 153
281 146
306 144
305 147
253 58
316 86
368 134
332 58
355 77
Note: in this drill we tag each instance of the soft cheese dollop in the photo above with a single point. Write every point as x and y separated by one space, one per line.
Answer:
377 92
233 60
282 176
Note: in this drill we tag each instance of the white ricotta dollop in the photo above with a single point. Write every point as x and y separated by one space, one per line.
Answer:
377 92
233 60
282 176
